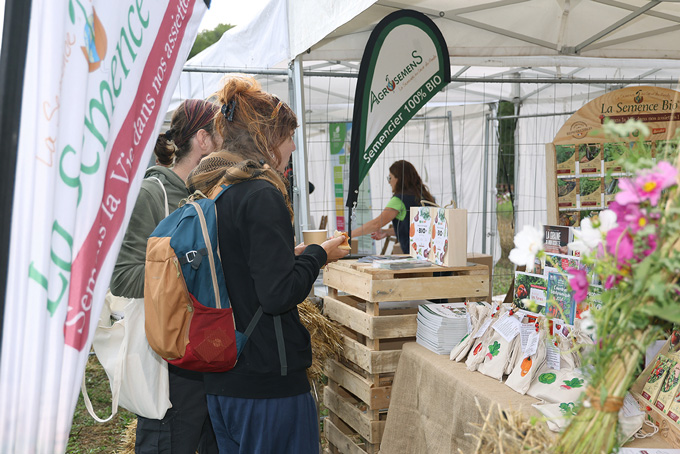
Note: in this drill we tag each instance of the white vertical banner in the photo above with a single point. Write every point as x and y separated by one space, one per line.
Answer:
99 76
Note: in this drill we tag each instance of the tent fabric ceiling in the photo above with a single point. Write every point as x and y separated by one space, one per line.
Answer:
522 28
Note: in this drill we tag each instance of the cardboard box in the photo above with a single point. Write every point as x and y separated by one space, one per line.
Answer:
483 259
449 236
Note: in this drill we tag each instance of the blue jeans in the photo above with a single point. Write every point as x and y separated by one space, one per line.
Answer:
286 425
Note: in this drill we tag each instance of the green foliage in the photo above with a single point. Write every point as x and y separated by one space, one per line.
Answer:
207 38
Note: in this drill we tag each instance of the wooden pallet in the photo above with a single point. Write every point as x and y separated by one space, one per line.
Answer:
360 382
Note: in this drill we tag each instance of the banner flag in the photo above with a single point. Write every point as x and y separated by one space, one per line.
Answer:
405 63
98 81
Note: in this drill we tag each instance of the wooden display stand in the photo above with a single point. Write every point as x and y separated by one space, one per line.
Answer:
360 382
668 429
594 157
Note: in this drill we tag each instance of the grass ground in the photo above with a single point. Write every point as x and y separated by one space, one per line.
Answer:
88 436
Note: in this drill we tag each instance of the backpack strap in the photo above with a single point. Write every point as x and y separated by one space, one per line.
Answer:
278 329
165 194
211 259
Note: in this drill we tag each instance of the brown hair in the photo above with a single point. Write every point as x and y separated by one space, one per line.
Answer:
190 117
409 182
253 122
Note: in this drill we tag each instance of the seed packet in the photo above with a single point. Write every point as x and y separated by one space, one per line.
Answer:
566 159
590 158
656 378
669 388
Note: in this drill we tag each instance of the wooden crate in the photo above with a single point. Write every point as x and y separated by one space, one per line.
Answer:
669 429
360 383
377 285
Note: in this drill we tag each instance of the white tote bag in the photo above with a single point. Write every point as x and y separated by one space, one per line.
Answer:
138 376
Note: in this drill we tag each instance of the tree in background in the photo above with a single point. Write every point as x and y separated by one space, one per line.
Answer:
207 38
506 147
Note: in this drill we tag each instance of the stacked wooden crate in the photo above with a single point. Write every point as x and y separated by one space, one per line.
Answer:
360 380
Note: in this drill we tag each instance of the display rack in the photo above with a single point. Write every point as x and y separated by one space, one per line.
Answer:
360 380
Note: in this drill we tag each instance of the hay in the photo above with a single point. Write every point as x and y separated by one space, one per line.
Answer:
509 432
127 441
325 334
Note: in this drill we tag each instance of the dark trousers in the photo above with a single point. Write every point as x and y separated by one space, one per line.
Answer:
286 425
186 426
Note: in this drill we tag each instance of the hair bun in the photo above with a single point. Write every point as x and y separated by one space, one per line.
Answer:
168 134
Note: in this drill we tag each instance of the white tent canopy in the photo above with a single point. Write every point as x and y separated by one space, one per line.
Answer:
549 57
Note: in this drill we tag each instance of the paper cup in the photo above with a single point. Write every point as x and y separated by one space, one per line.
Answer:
314 236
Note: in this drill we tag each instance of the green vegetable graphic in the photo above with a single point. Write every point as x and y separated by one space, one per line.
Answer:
568 408
573 383
494 349
547 378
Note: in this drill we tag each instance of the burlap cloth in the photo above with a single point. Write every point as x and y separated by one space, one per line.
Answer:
433 402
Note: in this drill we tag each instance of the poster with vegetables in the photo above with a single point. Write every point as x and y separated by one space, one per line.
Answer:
561 302
420 233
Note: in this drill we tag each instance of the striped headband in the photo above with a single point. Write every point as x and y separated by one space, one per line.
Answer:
199 114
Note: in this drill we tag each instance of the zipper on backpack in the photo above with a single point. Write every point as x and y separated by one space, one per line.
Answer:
176 262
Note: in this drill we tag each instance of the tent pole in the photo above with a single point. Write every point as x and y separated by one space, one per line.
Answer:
301 187
449 119
12 65
485 186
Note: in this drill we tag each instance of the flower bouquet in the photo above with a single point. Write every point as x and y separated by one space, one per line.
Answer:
632 248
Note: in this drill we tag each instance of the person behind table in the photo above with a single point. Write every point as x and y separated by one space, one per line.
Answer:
407 190
186 426
264 404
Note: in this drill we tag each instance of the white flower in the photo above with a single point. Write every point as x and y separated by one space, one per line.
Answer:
528 243
591 234
607 221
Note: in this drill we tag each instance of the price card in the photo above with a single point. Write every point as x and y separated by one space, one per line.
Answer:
508 327
532 344
552 355
480 332
525 331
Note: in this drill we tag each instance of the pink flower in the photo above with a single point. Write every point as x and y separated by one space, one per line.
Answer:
630 216
620 244
647 185
578 283
611 281
651 245
627 192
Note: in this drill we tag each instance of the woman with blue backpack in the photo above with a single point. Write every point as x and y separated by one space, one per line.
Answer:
186 426
264 404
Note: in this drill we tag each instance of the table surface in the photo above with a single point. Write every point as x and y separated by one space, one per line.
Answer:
433 405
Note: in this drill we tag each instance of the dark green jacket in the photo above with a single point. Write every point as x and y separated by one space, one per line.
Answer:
149 210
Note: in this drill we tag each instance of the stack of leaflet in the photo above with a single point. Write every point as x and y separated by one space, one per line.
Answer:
441 326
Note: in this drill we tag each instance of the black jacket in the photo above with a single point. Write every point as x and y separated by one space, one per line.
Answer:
256 243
